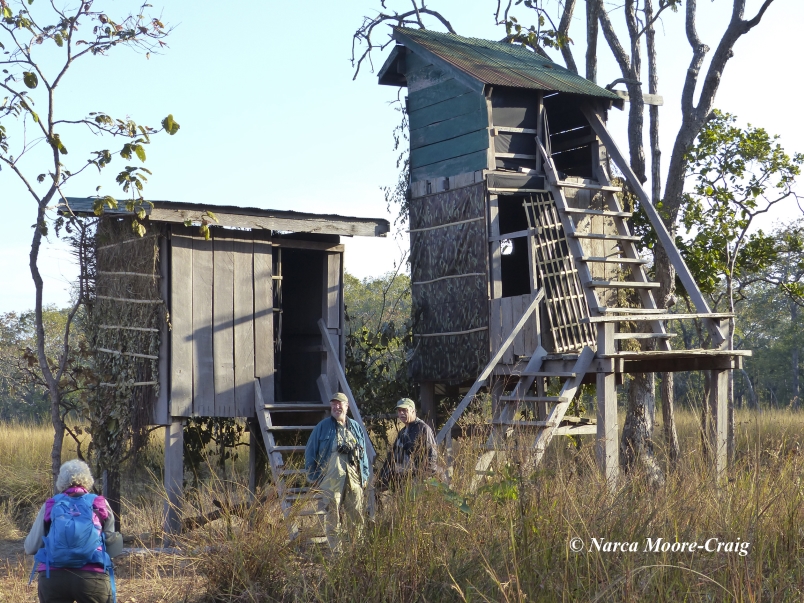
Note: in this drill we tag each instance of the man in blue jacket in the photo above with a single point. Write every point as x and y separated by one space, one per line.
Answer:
337 465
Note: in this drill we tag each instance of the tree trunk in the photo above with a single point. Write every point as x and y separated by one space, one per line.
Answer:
794 355
669 420
591 40
111 491
707 427
636 446
47 374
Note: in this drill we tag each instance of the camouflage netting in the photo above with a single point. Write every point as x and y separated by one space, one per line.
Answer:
457 248
125 319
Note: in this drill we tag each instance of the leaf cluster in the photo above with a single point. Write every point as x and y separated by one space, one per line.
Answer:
737 174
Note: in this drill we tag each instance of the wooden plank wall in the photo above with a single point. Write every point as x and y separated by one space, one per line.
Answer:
181 318
332 313
264 318
448 122
223 339
505 313
244 328
222 318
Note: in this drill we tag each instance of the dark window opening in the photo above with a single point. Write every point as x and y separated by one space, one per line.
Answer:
514 269
511 214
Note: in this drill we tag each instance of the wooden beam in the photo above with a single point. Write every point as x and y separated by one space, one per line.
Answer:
174 476
648 99
249 217
607 450
650 317
718 403
489 367
666 240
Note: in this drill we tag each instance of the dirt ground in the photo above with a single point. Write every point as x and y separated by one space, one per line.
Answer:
141 577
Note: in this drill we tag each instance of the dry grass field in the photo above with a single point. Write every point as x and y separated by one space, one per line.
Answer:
511 541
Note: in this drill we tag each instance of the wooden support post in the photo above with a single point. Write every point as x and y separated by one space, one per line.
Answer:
495 252
539 129
427 407
607 449
174 475
257 457
718 405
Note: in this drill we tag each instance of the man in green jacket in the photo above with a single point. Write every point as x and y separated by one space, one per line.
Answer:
337 465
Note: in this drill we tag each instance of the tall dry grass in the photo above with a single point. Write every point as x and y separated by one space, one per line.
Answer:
510 541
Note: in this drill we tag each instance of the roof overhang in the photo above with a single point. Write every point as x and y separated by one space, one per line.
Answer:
242 217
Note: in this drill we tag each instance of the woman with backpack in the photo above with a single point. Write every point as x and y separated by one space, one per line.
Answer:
68 544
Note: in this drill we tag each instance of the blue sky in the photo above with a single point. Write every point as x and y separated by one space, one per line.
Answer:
270 116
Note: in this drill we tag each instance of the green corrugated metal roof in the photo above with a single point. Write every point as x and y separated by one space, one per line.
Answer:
501 64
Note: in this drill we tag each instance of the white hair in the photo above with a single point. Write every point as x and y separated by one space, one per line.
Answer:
74 473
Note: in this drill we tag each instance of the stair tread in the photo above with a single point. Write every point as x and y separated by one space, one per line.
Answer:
624 284
531 399
545 374
296 407
607 310
525 423
612 259
599 212
287 449
605 237
644 335
291 428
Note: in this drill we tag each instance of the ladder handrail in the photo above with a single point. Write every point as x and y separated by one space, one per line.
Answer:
489 367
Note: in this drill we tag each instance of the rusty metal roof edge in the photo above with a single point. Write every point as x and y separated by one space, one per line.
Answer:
408 34
83 206
466 78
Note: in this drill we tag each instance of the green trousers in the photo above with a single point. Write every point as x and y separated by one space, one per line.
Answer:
350 501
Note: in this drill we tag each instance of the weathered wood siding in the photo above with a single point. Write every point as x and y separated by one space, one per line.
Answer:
505 313
332 311
221 313
587 199
448 123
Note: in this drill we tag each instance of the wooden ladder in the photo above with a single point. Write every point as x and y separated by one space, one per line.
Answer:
296 420
292 420
627 255
506 423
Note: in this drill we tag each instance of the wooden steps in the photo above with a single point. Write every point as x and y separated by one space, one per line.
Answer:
622 285
613 260
598 212
297 407
620 336
276 448
604 237
539 424
546 374
516 398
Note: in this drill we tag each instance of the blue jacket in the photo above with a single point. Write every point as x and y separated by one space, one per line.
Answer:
316 455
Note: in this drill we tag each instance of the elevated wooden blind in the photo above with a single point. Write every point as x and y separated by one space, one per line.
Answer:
564 298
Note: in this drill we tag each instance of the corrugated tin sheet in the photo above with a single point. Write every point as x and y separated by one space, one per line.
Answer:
501 64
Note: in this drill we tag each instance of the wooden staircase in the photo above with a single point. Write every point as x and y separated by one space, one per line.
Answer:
292 423
506 423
